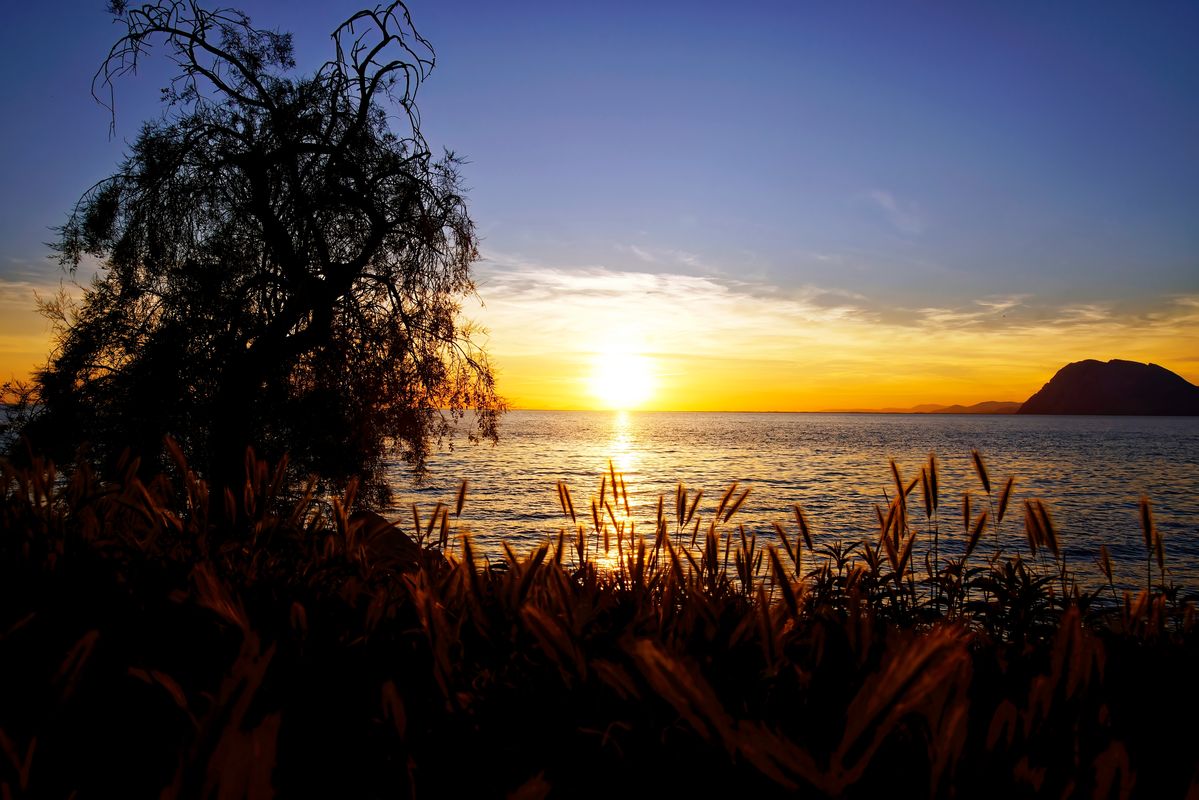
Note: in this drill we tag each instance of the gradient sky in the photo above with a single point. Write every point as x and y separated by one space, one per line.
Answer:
778 206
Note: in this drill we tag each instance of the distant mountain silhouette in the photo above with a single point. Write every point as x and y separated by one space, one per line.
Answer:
985 407
1117 387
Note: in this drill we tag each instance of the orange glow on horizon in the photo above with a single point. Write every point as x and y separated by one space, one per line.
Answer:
708 345
602 340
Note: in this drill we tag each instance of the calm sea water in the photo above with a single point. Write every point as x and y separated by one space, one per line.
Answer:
1089 470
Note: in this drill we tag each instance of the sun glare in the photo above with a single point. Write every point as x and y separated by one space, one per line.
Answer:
621 381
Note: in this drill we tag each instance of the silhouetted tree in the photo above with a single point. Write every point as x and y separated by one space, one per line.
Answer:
279 266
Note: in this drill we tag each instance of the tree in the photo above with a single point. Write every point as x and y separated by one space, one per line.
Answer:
280 267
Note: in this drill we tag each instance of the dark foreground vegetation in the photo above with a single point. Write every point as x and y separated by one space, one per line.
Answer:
159 641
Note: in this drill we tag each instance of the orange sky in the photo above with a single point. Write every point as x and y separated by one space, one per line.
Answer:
24 334
709 344
598 338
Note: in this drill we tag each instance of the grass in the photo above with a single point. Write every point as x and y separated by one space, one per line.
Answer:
159 641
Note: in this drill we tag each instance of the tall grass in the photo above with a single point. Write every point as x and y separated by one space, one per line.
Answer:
153 646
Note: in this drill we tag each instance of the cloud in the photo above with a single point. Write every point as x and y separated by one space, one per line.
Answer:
690 307
1085 314
730 342
720 342
642 254
1186 307
24 333
21 294
664 255
687 258
1002 304
948 317
671 311
904 217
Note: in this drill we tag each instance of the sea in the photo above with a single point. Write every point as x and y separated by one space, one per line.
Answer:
1090 471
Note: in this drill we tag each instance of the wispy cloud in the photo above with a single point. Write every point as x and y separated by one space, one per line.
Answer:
985 312
643 254
19 294
725 342
24 333
1186 307
905 217
666 256
809 346
1086 314
1003 303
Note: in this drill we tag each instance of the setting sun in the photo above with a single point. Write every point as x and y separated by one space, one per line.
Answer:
621 380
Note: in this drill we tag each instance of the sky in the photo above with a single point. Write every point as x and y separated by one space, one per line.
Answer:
772 206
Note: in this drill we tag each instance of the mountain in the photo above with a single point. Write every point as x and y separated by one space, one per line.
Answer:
1117 387
986 407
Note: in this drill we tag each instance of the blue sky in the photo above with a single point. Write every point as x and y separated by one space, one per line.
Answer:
906 159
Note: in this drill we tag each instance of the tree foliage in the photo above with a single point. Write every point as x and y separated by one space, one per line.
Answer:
282 259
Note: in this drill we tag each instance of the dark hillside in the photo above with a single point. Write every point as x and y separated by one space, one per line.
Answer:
1115 387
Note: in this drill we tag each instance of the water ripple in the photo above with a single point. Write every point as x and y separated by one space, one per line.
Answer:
1090 471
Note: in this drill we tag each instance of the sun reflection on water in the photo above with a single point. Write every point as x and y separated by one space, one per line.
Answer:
622 448
1091 470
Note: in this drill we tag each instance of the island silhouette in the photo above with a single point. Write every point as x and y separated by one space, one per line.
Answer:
1115 387
1085 387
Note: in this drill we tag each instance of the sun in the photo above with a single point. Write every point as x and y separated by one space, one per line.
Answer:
621 380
